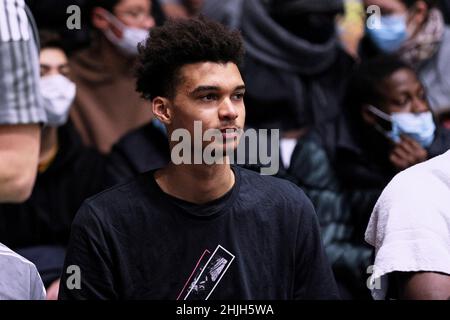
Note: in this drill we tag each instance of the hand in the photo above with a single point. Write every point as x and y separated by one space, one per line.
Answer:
407 153
53 290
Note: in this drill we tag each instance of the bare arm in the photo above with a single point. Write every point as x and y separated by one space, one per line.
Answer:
424 286
19 155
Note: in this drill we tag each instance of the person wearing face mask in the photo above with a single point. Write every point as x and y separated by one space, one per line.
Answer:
344 165
68 173
295 67
106 105
415 31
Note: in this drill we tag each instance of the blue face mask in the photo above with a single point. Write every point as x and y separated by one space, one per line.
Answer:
419 127
390 35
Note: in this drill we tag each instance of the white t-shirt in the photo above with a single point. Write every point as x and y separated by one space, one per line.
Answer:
19 278
410 224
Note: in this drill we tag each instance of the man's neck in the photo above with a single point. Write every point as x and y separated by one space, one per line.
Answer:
196 183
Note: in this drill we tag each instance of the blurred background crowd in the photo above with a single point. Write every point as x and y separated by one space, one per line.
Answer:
360 90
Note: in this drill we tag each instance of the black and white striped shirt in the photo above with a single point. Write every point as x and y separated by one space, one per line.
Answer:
20 99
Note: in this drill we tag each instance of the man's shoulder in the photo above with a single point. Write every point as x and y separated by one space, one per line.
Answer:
274 187
119 195
437 167
419 185
17 260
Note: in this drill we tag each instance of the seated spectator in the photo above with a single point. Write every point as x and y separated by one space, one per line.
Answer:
198 231
415 31
68 173
107 105
21 109
295 68
21 115
344 165
409 229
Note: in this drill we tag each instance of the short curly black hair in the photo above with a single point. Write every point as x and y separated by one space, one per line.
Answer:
181 42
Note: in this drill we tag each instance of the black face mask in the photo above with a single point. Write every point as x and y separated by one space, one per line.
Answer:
313 27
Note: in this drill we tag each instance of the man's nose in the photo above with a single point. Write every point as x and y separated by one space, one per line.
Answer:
419 105
228 110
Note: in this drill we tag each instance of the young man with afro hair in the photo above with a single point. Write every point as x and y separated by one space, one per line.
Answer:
197 231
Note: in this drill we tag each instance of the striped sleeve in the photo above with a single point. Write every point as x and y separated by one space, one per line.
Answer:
20 99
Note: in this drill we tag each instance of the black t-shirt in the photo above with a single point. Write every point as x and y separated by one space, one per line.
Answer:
259 241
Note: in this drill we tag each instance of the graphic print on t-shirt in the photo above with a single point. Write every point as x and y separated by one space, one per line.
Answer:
207 274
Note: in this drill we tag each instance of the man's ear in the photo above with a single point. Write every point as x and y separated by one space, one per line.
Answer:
368 116
162 109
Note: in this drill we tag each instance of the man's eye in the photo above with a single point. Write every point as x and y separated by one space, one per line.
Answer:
402 101
238 96
44 70
209 97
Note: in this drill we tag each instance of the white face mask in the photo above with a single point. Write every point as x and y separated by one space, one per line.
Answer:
131 37
58 93
420 127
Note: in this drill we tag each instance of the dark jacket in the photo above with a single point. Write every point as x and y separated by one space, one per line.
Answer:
39 228
291 83
45 218
344 181
141 150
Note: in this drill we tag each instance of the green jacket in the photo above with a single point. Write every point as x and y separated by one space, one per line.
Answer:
341 212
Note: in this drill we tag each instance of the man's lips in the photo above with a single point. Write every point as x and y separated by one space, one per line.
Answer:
230 132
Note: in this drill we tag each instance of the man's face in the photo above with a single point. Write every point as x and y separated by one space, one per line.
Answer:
53 61
403 93
212 93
